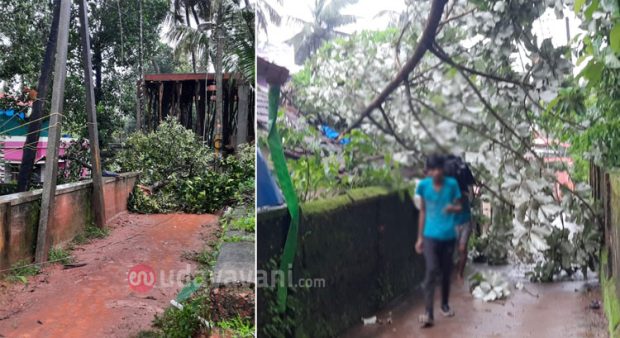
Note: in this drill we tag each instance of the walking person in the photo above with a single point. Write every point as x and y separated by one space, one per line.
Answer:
464 226
439 198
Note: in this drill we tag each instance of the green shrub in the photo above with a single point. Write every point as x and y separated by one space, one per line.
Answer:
238 326
21 270
176 323
171 149
77 154
246 224
141 203
186 175
91 232
8 188
60 255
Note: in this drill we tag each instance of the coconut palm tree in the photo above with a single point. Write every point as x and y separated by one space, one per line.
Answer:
326 18
233 18
265 13
230 24
185 32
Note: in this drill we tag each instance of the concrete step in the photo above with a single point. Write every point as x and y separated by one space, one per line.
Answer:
233 281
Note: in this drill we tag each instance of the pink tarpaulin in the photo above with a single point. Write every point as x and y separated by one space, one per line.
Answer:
13 149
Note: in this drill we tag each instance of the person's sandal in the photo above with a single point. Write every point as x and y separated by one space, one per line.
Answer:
446 311
425 320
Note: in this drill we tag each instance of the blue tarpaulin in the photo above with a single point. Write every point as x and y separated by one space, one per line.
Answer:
333 135
267 192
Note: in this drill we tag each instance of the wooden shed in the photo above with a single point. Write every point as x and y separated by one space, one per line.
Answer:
191 99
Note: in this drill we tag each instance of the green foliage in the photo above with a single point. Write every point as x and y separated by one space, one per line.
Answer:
26 25
235 21
614 38
109 122
493 247
611 302
8 188
90 233
206 257
239 327
591 107
208 193
246 224
147 334
77 154
245 192
189 176
329 170
19 102
568 256
115 40
60 255
234 239
169 151
176 323
330 50
21 270
140 202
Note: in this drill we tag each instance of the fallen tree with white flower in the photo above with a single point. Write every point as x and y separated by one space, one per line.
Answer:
476 82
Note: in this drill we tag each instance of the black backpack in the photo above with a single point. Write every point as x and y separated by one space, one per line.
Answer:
455 166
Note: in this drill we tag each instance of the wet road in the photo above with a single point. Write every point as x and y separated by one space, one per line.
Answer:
559 311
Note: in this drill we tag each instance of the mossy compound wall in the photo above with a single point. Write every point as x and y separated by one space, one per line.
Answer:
610 257
19 215
360 244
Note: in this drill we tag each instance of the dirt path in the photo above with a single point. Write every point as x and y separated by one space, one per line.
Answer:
96 300
560 311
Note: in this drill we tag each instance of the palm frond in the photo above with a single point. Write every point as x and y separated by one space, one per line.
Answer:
265 11
334 7
341 20
327 17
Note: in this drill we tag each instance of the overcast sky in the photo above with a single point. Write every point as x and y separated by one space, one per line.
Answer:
276 50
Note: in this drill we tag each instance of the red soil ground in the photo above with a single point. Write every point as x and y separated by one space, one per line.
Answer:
96 300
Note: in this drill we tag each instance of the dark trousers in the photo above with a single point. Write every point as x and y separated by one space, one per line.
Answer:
438 256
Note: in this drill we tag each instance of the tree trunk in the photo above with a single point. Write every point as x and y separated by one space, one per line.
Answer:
189 25
141 84
32 138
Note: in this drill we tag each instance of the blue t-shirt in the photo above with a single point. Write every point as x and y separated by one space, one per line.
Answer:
439 224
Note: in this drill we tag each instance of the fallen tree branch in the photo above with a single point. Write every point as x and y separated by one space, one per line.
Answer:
426 40
393 131
422 124
504 124
389 132
455 17
411 107
443 56
470 127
